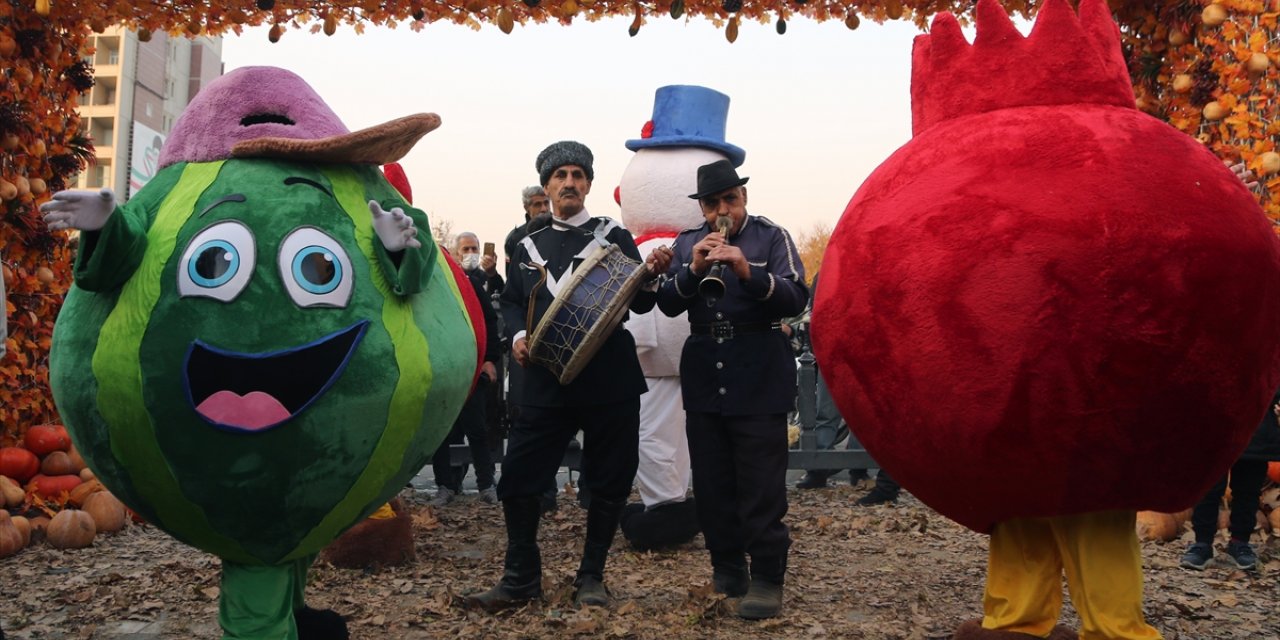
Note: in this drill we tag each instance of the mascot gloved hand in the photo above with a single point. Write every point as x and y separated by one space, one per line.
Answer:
1048 311
83 210
243 359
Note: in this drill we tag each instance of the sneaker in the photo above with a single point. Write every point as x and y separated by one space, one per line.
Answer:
1243 554
444 495
812 479
489 496
877 496
1197 556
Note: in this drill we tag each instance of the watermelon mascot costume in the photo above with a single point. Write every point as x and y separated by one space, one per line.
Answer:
1047 311
263 345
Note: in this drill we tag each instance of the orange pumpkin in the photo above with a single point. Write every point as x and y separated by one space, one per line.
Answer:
11 494
10 537
58 463
1180 518
24 527
18 464
1156 526
47 438
71 529
107 512
82 492
76 460
51 486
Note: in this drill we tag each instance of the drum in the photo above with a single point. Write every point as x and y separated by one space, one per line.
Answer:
585 312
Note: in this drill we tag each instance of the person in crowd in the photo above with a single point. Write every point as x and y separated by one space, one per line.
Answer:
737 276
471 421
536 204
603 401
467 251
1246 478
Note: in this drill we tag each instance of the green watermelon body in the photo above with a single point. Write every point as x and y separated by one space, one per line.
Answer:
246 367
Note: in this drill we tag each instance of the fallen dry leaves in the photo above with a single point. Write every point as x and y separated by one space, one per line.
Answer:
884 573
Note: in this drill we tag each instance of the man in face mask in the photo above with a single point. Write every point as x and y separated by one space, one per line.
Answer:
467 251
471 421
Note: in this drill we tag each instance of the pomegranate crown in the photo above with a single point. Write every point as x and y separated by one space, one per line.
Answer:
1065 60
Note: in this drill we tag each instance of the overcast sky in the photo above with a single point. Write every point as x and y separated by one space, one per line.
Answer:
816 109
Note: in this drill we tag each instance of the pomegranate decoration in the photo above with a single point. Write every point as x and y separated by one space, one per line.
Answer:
1047 302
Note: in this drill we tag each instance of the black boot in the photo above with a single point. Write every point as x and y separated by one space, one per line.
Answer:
522 576
314 624
603 516
764 598
729 573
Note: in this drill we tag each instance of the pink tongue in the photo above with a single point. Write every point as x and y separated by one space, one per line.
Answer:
253 410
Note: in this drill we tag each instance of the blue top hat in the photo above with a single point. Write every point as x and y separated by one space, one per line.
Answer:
688 116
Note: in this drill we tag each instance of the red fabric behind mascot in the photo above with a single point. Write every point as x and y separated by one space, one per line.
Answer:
1047 302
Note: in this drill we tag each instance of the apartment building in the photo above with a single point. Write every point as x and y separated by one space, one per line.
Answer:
140 89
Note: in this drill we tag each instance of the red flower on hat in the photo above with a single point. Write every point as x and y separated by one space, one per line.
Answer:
647 130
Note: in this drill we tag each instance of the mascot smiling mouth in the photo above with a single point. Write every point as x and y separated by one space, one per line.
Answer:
254 392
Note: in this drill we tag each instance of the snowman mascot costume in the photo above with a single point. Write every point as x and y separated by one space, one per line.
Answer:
686 132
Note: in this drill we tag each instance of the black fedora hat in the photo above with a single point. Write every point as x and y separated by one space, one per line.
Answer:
716 177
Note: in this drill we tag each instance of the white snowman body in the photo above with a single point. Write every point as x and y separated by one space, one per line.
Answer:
654 193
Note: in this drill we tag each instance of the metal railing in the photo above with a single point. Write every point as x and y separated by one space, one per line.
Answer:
807 455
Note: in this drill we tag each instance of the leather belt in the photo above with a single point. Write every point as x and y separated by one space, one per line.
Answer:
725 329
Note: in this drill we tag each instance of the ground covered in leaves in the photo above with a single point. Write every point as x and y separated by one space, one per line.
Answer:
899 572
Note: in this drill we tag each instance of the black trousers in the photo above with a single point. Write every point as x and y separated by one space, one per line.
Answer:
471 424
1247 478
740 480
610 448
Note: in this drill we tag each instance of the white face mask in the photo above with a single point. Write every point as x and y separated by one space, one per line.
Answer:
470 261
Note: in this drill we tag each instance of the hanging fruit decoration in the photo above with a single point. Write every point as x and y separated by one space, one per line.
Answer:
1183 54
635 24
1216 80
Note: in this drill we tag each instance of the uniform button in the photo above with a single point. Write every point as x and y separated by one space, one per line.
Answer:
719 316
722 392
719 365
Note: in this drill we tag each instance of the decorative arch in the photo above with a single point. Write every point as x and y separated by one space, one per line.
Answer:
1185 56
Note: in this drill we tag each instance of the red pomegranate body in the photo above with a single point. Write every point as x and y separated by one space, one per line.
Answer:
1048 310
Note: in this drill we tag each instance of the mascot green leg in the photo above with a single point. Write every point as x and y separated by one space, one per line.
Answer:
268 603
257 601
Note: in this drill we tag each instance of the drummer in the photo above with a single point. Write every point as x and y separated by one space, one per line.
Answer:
738 381
603 401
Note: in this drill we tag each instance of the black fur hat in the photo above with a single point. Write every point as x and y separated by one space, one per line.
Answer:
561 153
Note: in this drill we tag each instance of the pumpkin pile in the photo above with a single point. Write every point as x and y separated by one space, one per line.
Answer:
1165 527
48 493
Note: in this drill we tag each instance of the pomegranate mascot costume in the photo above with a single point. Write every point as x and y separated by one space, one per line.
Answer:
1047 311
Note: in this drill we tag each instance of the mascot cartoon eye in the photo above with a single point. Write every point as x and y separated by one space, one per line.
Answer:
218 262
316 269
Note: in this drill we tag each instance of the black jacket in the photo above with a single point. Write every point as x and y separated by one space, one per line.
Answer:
752 373
1265 444
614 373
492 345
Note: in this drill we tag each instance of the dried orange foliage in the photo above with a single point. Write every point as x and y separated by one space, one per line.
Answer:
812 245
1211 72
188 17
39 150
41 42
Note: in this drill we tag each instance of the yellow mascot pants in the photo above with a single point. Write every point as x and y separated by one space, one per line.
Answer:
1100 554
